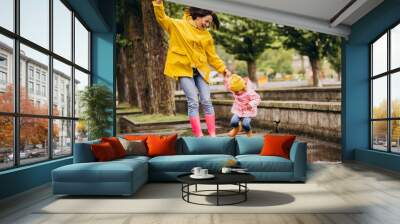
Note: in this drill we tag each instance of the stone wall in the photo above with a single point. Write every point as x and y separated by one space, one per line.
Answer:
317 119
326 94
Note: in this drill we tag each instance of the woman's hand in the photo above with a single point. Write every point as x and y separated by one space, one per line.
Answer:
227 73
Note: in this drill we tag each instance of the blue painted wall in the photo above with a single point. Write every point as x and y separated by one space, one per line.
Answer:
355 69
24 178
99 15
103 56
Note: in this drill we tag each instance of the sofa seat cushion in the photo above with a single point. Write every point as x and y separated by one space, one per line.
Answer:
257 163
112 171
185 163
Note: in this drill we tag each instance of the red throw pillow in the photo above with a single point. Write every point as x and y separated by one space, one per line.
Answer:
103 152
116 145
277 145
161 145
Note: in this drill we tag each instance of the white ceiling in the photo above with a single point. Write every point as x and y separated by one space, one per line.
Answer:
313 15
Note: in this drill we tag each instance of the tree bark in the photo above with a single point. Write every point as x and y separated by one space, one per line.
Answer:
136 72
121 71
162 90
251 70
315 70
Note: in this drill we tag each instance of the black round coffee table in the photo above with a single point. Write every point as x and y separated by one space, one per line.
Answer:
238 179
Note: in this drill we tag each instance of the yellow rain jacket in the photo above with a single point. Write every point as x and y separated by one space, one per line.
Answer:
189 47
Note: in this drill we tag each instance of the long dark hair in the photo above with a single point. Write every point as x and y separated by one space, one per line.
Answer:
197 12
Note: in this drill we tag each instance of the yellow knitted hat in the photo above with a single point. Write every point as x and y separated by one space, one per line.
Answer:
236 83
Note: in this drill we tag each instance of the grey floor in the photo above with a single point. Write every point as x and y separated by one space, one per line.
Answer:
377 188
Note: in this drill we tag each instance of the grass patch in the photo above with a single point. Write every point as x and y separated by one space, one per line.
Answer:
156 118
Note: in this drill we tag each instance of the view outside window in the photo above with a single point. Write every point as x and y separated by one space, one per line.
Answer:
81 82
7 14
6 142
37 103
50 135
62 30
395 47
379 56
35 25
34 144
81 45
62 137
62 89
6 74
385 80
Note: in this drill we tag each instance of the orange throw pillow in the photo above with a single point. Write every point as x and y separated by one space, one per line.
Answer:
277 145
116 145
103 152
161 145
135 137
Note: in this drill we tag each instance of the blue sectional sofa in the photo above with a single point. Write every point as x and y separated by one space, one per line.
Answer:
125 176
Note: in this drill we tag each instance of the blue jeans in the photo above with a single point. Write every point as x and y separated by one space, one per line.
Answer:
245 122
193 87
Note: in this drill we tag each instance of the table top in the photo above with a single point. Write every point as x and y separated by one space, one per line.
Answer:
220 178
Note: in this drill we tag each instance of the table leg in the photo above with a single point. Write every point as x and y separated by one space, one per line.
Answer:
196 188
245 193
217 194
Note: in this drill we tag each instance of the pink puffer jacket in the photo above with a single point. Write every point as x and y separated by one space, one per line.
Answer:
245 104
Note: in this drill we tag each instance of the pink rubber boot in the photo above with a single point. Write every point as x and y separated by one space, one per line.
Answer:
196 125
210 121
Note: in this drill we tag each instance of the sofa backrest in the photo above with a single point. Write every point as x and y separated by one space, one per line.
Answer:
206 145
246 145
83 152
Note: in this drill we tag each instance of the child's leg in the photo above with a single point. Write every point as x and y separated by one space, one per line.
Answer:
246 124
235 121
235 125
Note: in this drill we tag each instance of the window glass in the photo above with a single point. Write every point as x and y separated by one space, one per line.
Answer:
395 138
33 140
81 82
395 95
395 47
62 138
379 98
81 45
379 56
7 14
34 21
6 74
379 135
30 58
6 142
62 29
62 91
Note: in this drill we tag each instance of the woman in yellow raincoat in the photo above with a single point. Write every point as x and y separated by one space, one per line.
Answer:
191 52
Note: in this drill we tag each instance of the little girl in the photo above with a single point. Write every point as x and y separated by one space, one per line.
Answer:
245 105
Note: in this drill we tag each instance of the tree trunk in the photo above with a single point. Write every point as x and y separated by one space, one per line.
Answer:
136 72
121 71
162 90
315 70
251 70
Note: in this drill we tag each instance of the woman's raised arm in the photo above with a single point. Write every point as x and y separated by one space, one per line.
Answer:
161 17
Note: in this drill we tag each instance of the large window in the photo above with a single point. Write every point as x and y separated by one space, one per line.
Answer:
385 91
44 64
